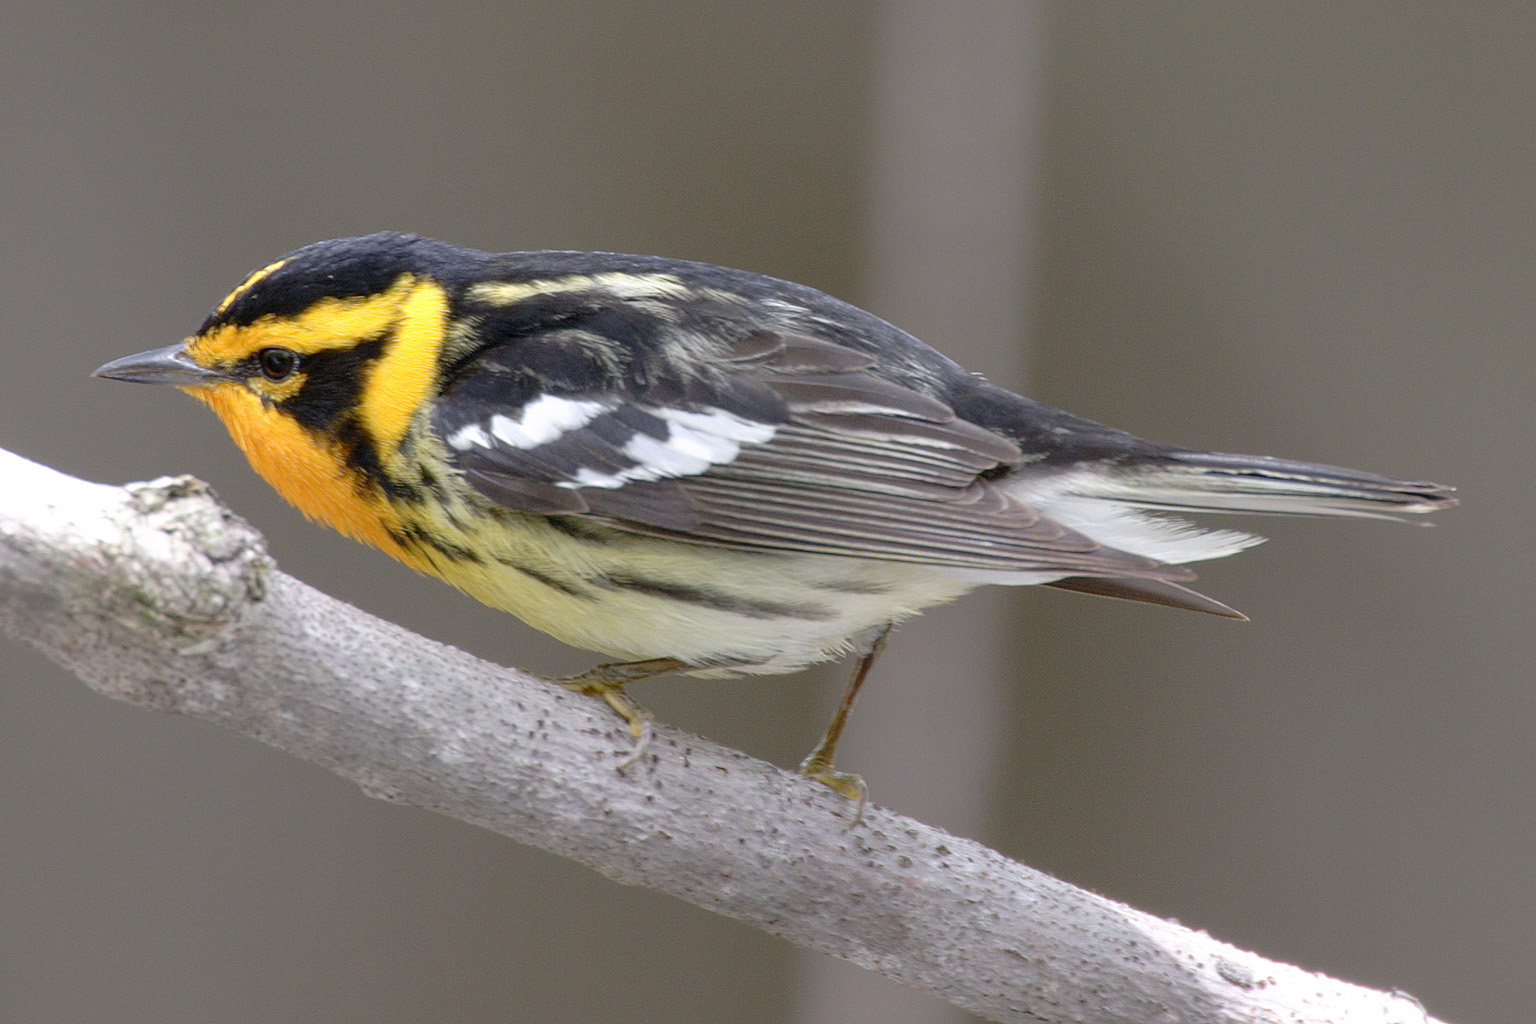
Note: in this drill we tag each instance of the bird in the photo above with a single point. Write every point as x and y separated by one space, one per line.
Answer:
693 469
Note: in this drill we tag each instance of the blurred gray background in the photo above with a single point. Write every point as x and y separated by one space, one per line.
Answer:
1303 229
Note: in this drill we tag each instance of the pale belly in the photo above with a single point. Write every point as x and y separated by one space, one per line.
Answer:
728 612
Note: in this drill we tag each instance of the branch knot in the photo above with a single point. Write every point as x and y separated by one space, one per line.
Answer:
190 562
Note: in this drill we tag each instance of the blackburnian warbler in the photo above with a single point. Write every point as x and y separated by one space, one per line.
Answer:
690 468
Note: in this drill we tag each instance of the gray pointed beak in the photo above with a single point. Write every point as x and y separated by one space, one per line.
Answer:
169 365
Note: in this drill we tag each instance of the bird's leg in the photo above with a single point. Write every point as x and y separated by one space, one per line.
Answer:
818 765
607 681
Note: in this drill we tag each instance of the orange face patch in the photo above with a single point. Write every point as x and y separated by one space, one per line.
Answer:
305 469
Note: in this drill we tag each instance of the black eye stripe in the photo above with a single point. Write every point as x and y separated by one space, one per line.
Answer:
333 383
277 363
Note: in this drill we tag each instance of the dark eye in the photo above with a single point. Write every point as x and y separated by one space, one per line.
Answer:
276 363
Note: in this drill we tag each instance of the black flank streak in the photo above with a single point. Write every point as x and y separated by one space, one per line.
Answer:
578 528
853 587
434 485
718 600
546 579
422 537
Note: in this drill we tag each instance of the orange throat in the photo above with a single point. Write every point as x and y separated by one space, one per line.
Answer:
305 469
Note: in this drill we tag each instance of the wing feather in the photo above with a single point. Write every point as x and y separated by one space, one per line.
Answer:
787 443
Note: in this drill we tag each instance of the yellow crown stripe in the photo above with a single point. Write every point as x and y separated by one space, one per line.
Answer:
331 323
245 286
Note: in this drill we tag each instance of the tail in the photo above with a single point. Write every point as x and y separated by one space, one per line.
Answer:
1114 503
1189 481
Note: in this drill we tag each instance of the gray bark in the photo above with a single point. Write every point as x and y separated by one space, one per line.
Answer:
157 595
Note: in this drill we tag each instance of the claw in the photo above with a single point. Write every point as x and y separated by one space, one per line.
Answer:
607 682
642 742
848 784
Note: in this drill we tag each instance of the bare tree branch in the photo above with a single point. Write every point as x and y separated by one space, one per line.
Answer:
155 594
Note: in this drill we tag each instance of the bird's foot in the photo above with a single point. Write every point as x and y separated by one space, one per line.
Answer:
608 681
848 784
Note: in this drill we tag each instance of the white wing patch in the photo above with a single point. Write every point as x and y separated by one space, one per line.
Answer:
694 442
467 437
540 422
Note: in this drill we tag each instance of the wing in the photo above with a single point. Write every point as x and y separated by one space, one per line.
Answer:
778 441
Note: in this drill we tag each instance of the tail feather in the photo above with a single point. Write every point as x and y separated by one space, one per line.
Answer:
1149 591
1190 481
1120 503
